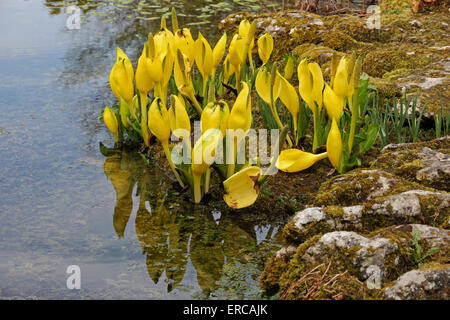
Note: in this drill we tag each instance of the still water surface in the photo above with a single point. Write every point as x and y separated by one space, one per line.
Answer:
62 203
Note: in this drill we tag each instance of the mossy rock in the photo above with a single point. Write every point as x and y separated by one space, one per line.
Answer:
395 5
422 162
351 255
353 258
414 206
270 277
326 285
430 237
383 59
360 185
409 51
431 282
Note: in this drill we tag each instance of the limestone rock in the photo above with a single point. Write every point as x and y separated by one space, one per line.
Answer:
421 284
358 186
425 162
408 203
367 255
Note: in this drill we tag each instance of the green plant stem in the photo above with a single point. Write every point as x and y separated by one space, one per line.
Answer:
205 88
280 143
280 125
197 188
197 105
231 166
207 179
316 130
238 79
355 116
172 165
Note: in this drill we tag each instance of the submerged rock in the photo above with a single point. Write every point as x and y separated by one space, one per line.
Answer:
421 284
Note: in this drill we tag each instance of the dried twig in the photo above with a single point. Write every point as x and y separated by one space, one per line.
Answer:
315 281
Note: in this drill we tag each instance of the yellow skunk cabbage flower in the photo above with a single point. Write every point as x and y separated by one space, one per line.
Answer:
110 120
317 81
204 150
184 42
203 58
294 160
334 144
236 51
203 155
158 120
167 66
183 80
219 51
178 117
228 69
215 116
241 113
162 41
154 61
144 118
159 125
182 75
121 77
289 97
143 81
289 68
247 31
333 103
242 188
263 85
305 84
340 84
265 47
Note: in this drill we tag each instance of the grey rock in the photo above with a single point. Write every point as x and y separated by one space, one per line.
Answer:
371 255
408 203
286 251
434 237
303 218
437 164
416 23
353 215
421 284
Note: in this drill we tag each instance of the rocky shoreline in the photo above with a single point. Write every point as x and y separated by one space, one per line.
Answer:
361 229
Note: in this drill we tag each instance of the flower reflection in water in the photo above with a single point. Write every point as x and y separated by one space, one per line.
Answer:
171 230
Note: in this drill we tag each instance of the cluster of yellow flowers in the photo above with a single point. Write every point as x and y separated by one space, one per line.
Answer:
316 93
170 56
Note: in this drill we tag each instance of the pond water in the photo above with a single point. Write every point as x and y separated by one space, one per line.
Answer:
63 203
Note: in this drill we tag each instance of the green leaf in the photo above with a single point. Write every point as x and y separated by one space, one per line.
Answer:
371 137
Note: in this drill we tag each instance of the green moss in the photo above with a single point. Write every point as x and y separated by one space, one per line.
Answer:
433 214
356 186
270 277
434 266
405 162
293 235
383 59
339 41
334 211
328 285
387 5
